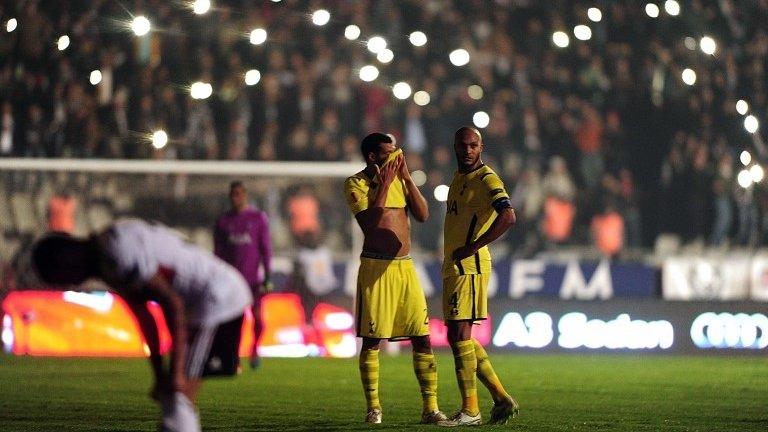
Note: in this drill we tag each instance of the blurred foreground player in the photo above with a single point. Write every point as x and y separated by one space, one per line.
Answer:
202 299
390 301
478 212
241 238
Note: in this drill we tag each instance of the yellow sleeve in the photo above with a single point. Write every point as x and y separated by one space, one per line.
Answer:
356 193
493 187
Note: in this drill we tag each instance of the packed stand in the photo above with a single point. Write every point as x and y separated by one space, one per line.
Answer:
600 142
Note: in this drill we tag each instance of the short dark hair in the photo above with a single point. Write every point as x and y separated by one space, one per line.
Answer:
61 259
234 184
372 142
468 129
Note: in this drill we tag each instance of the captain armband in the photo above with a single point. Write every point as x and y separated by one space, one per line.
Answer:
500 204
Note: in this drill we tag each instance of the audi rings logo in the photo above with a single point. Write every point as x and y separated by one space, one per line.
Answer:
725 330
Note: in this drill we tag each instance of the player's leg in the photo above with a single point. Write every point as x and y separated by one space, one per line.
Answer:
425 367
258 329
460 339
369 374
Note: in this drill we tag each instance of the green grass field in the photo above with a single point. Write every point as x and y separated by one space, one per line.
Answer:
556 393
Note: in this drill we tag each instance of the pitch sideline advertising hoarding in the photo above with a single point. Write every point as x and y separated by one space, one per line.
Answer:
629 325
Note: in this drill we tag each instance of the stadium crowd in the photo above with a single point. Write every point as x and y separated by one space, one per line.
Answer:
600 141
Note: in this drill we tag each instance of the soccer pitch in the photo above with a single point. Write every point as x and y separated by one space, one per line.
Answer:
555 392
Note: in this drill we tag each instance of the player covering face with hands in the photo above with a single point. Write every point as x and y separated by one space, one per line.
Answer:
390 303
202 299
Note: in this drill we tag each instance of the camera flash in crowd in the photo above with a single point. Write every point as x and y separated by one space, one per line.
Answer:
141 25
459 57
652 10
252 77
594 14
95 77
258 36
401 90
376 44
417 38
62 43
689 76
321 17
11 25
481 119
369 73
159 139
707 45
742 106
352 32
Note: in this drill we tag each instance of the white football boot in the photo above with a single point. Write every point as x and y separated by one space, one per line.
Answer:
462 419
373 416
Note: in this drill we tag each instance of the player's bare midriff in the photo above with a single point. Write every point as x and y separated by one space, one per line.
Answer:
392 235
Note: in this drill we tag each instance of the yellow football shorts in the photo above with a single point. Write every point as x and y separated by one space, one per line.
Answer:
390 301
466 297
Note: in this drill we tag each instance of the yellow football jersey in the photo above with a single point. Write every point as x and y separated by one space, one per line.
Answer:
360 189
469 214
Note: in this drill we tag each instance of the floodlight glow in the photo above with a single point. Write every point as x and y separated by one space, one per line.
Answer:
441 193
459 57
159 139
751 124
475 92
745 158
401 90
376 44
744 178
252 77
385 56
708 45
582 32
321 17
258 36
369 73
11 25
690 43
419 177
481 119
352 32
418 38
757 173
140 25
62 43
560 39
652 10
594 14
672 7
95 77
200 90
689 76
742 106
200 7
421 98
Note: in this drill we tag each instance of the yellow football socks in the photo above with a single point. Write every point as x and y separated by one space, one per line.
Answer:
466 368
369 373
425 367
487 375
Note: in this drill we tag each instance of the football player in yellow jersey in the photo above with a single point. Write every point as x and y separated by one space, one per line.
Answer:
390 303
478 212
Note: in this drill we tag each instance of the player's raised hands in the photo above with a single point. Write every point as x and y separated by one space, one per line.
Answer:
389 171
403 171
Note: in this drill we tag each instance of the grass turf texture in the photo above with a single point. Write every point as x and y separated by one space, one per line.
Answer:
556 393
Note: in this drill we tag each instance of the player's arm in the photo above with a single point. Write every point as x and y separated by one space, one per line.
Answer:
416 202
159 290
219 239
504 220
149 330
265 250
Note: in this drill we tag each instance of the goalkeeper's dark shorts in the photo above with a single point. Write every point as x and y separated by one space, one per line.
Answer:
213 350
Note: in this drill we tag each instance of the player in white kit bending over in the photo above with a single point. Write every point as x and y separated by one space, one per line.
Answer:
202 298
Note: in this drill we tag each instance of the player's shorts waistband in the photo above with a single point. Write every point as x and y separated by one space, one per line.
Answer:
377 256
